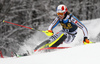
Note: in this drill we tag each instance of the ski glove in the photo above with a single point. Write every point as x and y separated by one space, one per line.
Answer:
48 32
86 41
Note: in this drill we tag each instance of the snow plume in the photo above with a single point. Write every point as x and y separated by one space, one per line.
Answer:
93 27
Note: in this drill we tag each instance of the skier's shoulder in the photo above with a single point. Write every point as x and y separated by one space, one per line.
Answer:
70 15
73 18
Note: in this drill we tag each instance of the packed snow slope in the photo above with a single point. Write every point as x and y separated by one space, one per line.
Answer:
78 54
84 54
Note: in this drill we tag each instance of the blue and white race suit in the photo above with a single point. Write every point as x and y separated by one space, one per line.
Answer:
69 24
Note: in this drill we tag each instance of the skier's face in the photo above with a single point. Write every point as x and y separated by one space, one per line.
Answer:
61 15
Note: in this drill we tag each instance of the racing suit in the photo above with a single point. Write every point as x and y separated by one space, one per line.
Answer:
69 24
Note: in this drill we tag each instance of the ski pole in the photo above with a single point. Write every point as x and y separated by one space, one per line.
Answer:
22 26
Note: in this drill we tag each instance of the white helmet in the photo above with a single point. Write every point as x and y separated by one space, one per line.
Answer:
61 9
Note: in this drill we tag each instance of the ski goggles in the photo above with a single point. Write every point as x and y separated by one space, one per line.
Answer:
60 14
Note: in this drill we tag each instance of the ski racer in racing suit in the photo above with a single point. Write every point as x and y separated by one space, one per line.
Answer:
69 25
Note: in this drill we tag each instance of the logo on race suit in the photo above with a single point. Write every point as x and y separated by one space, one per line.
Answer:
54 37
68 26
75 22
79 25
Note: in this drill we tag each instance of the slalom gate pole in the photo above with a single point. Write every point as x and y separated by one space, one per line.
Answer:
1 54
21 25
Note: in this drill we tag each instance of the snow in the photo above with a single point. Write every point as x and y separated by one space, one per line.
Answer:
84 54
78 54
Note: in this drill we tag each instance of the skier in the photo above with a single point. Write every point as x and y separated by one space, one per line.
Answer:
69 25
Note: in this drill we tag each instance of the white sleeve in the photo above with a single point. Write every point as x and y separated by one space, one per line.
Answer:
54 24
81 26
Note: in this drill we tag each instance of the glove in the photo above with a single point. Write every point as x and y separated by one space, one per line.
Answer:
48 32
86 41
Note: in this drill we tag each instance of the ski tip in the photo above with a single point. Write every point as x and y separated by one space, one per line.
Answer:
32 28
3 20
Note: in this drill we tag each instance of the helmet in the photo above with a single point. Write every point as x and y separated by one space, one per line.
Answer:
61 9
